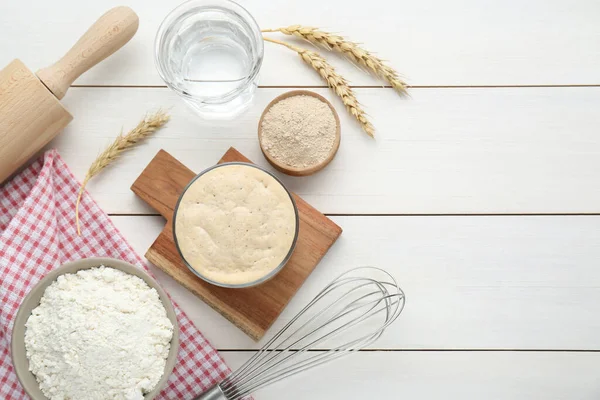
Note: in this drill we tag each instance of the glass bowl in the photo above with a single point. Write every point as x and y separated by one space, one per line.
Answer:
210 53
264 278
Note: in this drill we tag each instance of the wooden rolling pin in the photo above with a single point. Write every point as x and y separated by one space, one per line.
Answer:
30 111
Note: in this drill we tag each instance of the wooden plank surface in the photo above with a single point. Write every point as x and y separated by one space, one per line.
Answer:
431 42
464 151
254 309
471 282
435 375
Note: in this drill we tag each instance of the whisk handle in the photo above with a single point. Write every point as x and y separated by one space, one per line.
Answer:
214 393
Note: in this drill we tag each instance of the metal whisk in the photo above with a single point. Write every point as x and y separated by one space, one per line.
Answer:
354 310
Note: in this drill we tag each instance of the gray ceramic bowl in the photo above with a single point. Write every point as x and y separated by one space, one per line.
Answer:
32 300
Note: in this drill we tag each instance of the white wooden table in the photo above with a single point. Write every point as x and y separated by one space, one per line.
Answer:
480 194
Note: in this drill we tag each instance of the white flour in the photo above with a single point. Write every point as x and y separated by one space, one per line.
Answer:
98 334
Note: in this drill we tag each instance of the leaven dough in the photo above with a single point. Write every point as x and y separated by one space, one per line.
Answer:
235 224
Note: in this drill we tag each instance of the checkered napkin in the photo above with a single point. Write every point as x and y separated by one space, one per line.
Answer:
37 234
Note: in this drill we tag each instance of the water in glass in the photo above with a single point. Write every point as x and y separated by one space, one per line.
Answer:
210 54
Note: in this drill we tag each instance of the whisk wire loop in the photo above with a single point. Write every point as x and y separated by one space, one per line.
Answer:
354 309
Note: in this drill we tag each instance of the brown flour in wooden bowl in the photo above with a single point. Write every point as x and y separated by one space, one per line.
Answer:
299 132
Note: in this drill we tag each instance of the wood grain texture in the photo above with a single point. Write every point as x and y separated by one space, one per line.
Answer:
107 35
472 282
450 151
162 182
30 116
254 309
441 376
430 42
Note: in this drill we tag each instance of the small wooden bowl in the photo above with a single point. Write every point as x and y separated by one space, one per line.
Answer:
286 169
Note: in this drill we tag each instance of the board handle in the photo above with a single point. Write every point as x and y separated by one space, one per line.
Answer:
107 35
162 182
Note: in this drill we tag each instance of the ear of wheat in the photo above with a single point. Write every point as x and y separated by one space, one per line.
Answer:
146 127
335 81
352 50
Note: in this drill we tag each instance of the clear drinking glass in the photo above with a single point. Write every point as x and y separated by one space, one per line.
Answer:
210 53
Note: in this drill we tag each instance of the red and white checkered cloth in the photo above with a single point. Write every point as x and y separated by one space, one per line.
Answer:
37 234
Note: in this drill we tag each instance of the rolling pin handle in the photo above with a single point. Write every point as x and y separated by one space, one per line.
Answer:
107 35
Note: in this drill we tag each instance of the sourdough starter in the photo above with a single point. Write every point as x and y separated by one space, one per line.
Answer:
235 224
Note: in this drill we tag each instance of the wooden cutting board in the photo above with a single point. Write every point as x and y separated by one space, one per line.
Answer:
253 310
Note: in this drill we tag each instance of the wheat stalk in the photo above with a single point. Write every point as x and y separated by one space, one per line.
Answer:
335 81
146 127
350 49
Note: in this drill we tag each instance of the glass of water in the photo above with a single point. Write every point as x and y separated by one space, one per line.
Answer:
210 53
